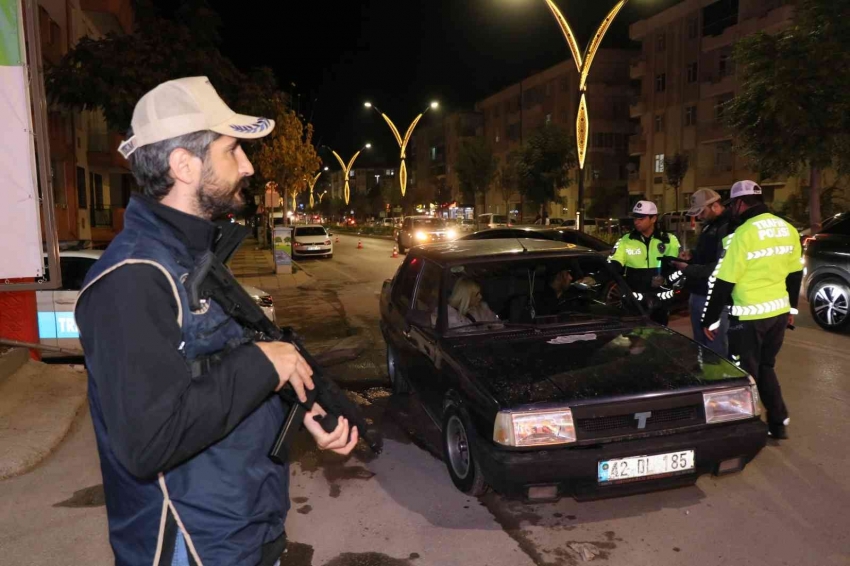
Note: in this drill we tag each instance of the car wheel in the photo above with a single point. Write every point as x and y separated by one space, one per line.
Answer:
463 467
829 302
612 294
401 249
397 380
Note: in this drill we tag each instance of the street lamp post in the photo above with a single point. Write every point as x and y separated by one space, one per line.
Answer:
312 183
322 195
583 63
402 141
346 168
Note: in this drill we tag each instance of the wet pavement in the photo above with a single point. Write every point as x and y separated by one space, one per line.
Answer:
790 506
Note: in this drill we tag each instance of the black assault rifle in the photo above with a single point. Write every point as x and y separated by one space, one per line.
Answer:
211 279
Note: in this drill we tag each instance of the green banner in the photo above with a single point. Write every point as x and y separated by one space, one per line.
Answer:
10 41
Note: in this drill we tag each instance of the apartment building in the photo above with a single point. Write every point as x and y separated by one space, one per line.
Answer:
432 155
551 97
681 80
91 181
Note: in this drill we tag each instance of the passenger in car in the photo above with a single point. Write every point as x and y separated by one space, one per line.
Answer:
466 305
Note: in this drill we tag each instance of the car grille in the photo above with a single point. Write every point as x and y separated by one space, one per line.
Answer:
622 423
312 252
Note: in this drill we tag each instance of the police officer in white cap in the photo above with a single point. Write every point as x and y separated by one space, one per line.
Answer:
760 270
639 254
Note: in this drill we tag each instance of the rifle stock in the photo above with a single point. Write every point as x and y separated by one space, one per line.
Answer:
212 280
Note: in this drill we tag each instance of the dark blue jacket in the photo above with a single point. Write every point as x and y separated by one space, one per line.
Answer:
228 499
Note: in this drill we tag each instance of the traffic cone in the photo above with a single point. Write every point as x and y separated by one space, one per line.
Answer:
359 244
337 240
395 251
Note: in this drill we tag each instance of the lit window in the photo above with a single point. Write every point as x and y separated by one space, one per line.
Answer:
659 163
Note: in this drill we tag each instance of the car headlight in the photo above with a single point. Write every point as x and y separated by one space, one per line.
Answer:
731 404
421 236
539 428
451 234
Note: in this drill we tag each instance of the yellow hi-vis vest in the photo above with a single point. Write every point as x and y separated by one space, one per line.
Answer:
757 258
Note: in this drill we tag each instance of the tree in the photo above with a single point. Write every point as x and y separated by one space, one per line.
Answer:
793 109
545 162
287 156
112 73
608 202
507 177
475 167
675 169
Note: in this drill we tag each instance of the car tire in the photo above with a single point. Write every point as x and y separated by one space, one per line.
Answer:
463 468
829 301
399 384
401 249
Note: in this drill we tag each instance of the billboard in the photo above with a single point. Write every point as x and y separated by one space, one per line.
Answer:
20 244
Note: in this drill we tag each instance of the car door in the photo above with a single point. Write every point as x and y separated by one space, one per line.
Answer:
401 299
46 314
74 271
424 364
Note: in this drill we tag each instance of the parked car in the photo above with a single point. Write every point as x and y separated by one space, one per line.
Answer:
417 230
826 273
490 220
558 234
312 240
56 324
592 401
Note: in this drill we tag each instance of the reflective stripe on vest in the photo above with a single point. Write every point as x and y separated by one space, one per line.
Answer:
762 308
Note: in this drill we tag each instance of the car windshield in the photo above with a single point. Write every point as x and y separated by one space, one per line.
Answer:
499 219
429 223
535 293
310 231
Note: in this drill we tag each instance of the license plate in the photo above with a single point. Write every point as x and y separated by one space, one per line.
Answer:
636 467
312 248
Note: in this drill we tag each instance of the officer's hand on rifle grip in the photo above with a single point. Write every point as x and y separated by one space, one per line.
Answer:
290 366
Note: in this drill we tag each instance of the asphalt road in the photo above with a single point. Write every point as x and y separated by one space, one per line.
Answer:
790 506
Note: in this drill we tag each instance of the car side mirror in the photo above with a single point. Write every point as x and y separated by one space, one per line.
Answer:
419 319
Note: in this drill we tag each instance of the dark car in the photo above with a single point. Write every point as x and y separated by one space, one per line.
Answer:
826 273
577 396
557 234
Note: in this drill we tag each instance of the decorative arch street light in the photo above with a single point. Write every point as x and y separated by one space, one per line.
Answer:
346 169
403 141
312 183
583 63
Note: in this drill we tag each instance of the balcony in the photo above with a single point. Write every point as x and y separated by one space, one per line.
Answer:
712 132
637 107
715 84
771 16
637 144
637 185
637 68
103 152
716 175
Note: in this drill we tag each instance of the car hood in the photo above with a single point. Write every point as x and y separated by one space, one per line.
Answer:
581 365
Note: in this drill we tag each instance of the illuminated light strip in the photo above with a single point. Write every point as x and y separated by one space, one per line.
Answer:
582 128
402 177
568 34
596 42
312 185
346 169
408 135
393 128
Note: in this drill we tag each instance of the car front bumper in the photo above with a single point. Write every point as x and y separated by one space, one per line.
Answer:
574 469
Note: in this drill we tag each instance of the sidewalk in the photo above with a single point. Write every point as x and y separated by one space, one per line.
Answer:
255 267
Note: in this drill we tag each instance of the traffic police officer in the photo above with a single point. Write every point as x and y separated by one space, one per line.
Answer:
639 254
761 270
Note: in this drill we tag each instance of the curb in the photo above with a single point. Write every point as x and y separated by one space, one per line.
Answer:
38 407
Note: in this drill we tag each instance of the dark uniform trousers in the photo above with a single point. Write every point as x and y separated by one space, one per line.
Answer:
754 345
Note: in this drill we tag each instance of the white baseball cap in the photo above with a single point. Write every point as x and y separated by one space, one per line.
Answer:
184 106
744 188
645 208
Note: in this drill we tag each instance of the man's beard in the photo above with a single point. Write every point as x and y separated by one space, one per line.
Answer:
217 198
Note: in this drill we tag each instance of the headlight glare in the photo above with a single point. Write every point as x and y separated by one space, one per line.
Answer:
421 236
539 428
729 405
451 234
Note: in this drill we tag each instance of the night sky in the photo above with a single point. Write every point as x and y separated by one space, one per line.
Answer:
401 54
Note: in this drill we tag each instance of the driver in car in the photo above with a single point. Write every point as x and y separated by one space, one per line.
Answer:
560 295
466 305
